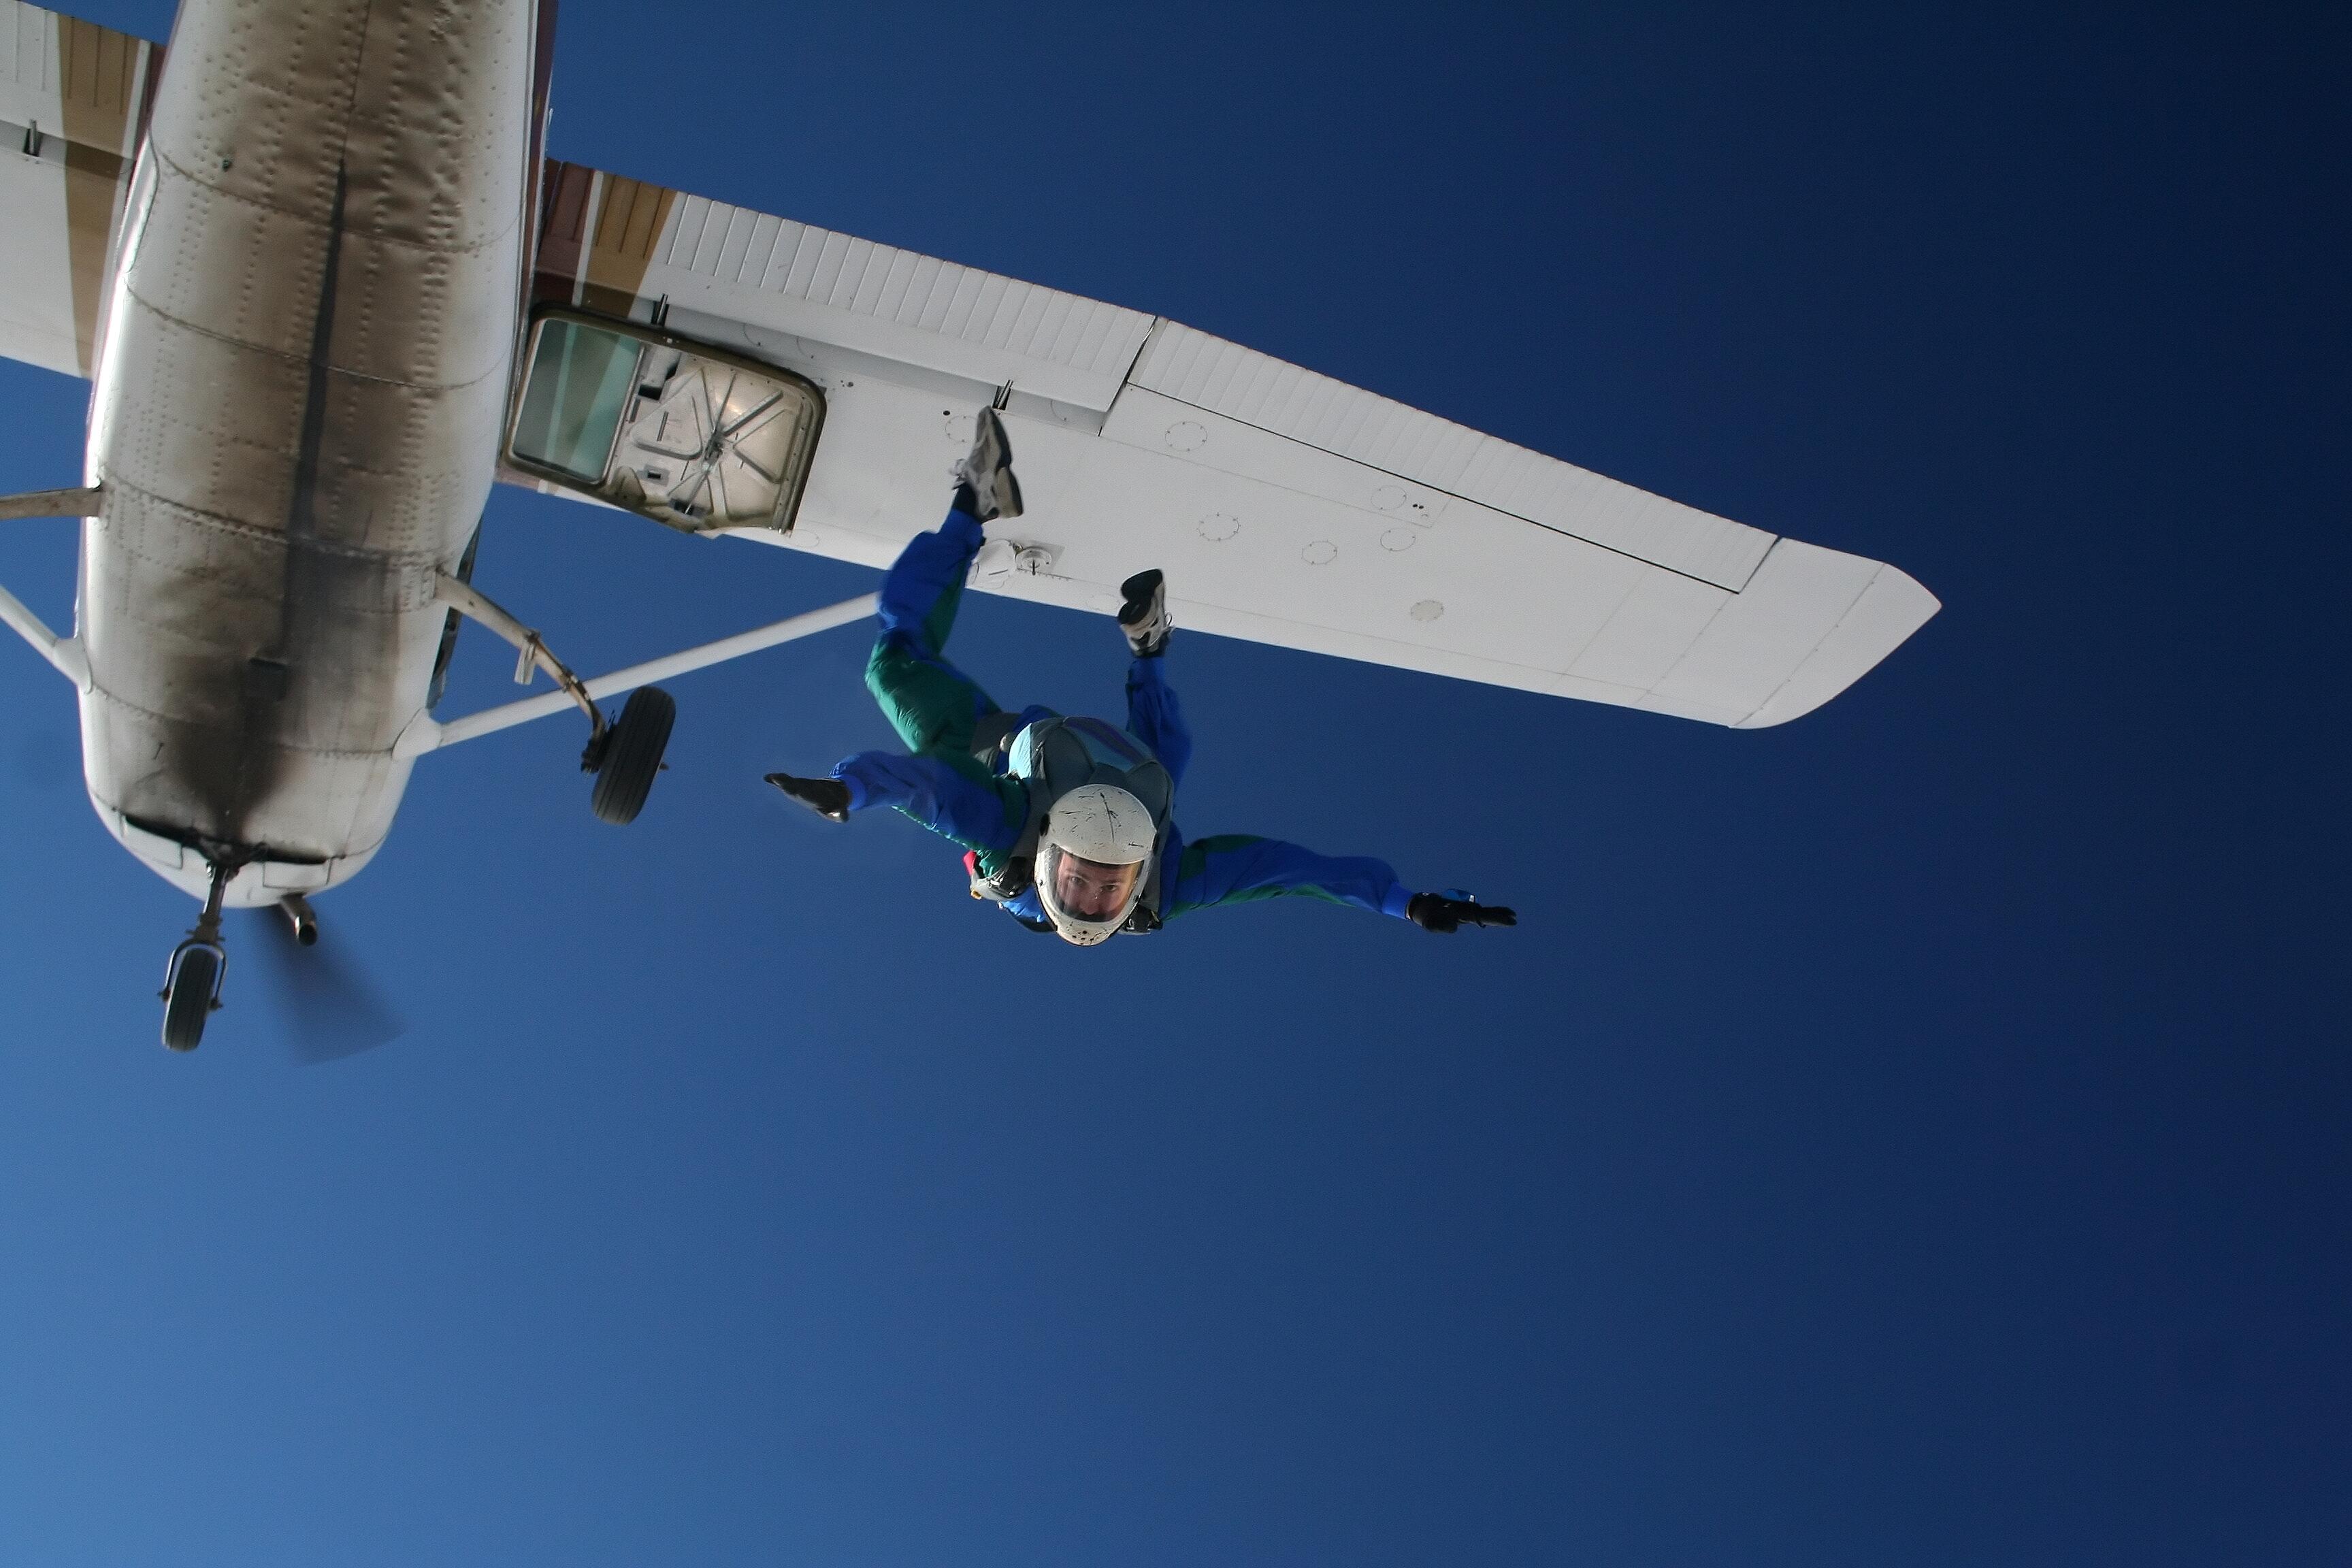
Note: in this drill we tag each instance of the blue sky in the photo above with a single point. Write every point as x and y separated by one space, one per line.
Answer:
1915 1134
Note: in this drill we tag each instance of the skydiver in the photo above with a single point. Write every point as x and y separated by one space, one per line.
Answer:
1067 823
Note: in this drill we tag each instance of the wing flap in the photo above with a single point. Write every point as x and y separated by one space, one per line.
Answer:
1390 437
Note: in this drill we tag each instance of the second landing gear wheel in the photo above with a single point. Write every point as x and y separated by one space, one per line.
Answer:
191 991
632 755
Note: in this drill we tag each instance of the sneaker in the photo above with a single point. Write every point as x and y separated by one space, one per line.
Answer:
987 472
829 798
1144 616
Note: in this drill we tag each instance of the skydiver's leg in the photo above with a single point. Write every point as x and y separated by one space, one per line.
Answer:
1156 718
929 702
924 587
932 704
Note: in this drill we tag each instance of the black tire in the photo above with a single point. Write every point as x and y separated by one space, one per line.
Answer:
190 1002
632 755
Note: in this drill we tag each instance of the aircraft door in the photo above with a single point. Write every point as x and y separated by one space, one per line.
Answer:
692 437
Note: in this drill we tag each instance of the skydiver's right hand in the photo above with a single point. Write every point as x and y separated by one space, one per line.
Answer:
829 798
1437 912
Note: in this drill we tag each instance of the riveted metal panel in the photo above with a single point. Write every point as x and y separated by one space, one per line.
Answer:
296 412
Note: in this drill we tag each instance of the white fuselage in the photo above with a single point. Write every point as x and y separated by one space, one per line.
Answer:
295 419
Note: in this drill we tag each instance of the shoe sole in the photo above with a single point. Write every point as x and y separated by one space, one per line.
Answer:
1138 589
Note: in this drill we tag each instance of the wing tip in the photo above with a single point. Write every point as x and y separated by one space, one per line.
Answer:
1883 617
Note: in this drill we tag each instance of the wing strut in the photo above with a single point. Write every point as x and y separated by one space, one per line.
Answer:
64 653
81 501
427 735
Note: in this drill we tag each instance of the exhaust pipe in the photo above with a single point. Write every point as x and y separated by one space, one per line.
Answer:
299 914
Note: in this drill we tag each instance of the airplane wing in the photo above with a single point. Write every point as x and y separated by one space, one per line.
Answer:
1286 507
74 98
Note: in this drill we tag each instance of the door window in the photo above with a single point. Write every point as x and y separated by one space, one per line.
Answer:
572 406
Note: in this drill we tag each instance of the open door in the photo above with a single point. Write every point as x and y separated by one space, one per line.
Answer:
690 436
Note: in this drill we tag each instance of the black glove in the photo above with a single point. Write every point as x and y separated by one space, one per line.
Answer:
829 798
1438 913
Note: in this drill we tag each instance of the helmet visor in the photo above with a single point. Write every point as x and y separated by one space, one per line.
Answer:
1090 891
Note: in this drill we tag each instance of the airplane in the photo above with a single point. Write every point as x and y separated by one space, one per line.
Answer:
328 290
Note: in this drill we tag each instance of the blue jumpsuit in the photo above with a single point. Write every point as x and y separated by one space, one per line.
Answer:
935 707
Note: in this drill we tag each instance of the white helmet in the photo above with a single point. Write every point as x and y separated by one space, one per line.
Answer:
1093 860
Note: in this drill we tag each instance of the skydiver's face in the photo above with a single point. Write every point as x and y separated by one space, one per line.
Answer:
1090 889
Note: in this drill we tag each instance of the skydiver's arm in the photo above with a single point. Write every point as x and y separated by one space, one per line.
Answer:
1156 718
1234 868
950 796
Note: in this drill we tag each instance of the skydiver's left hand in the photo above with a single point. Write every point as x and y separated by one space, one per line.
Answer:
1437 912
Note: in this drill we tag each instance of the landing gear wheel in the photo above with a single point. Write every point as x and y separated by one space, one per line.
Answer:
632 755
191 991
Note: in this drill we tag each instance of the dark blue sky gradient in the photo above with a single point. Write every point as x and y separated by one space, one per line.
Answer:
1913 1135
